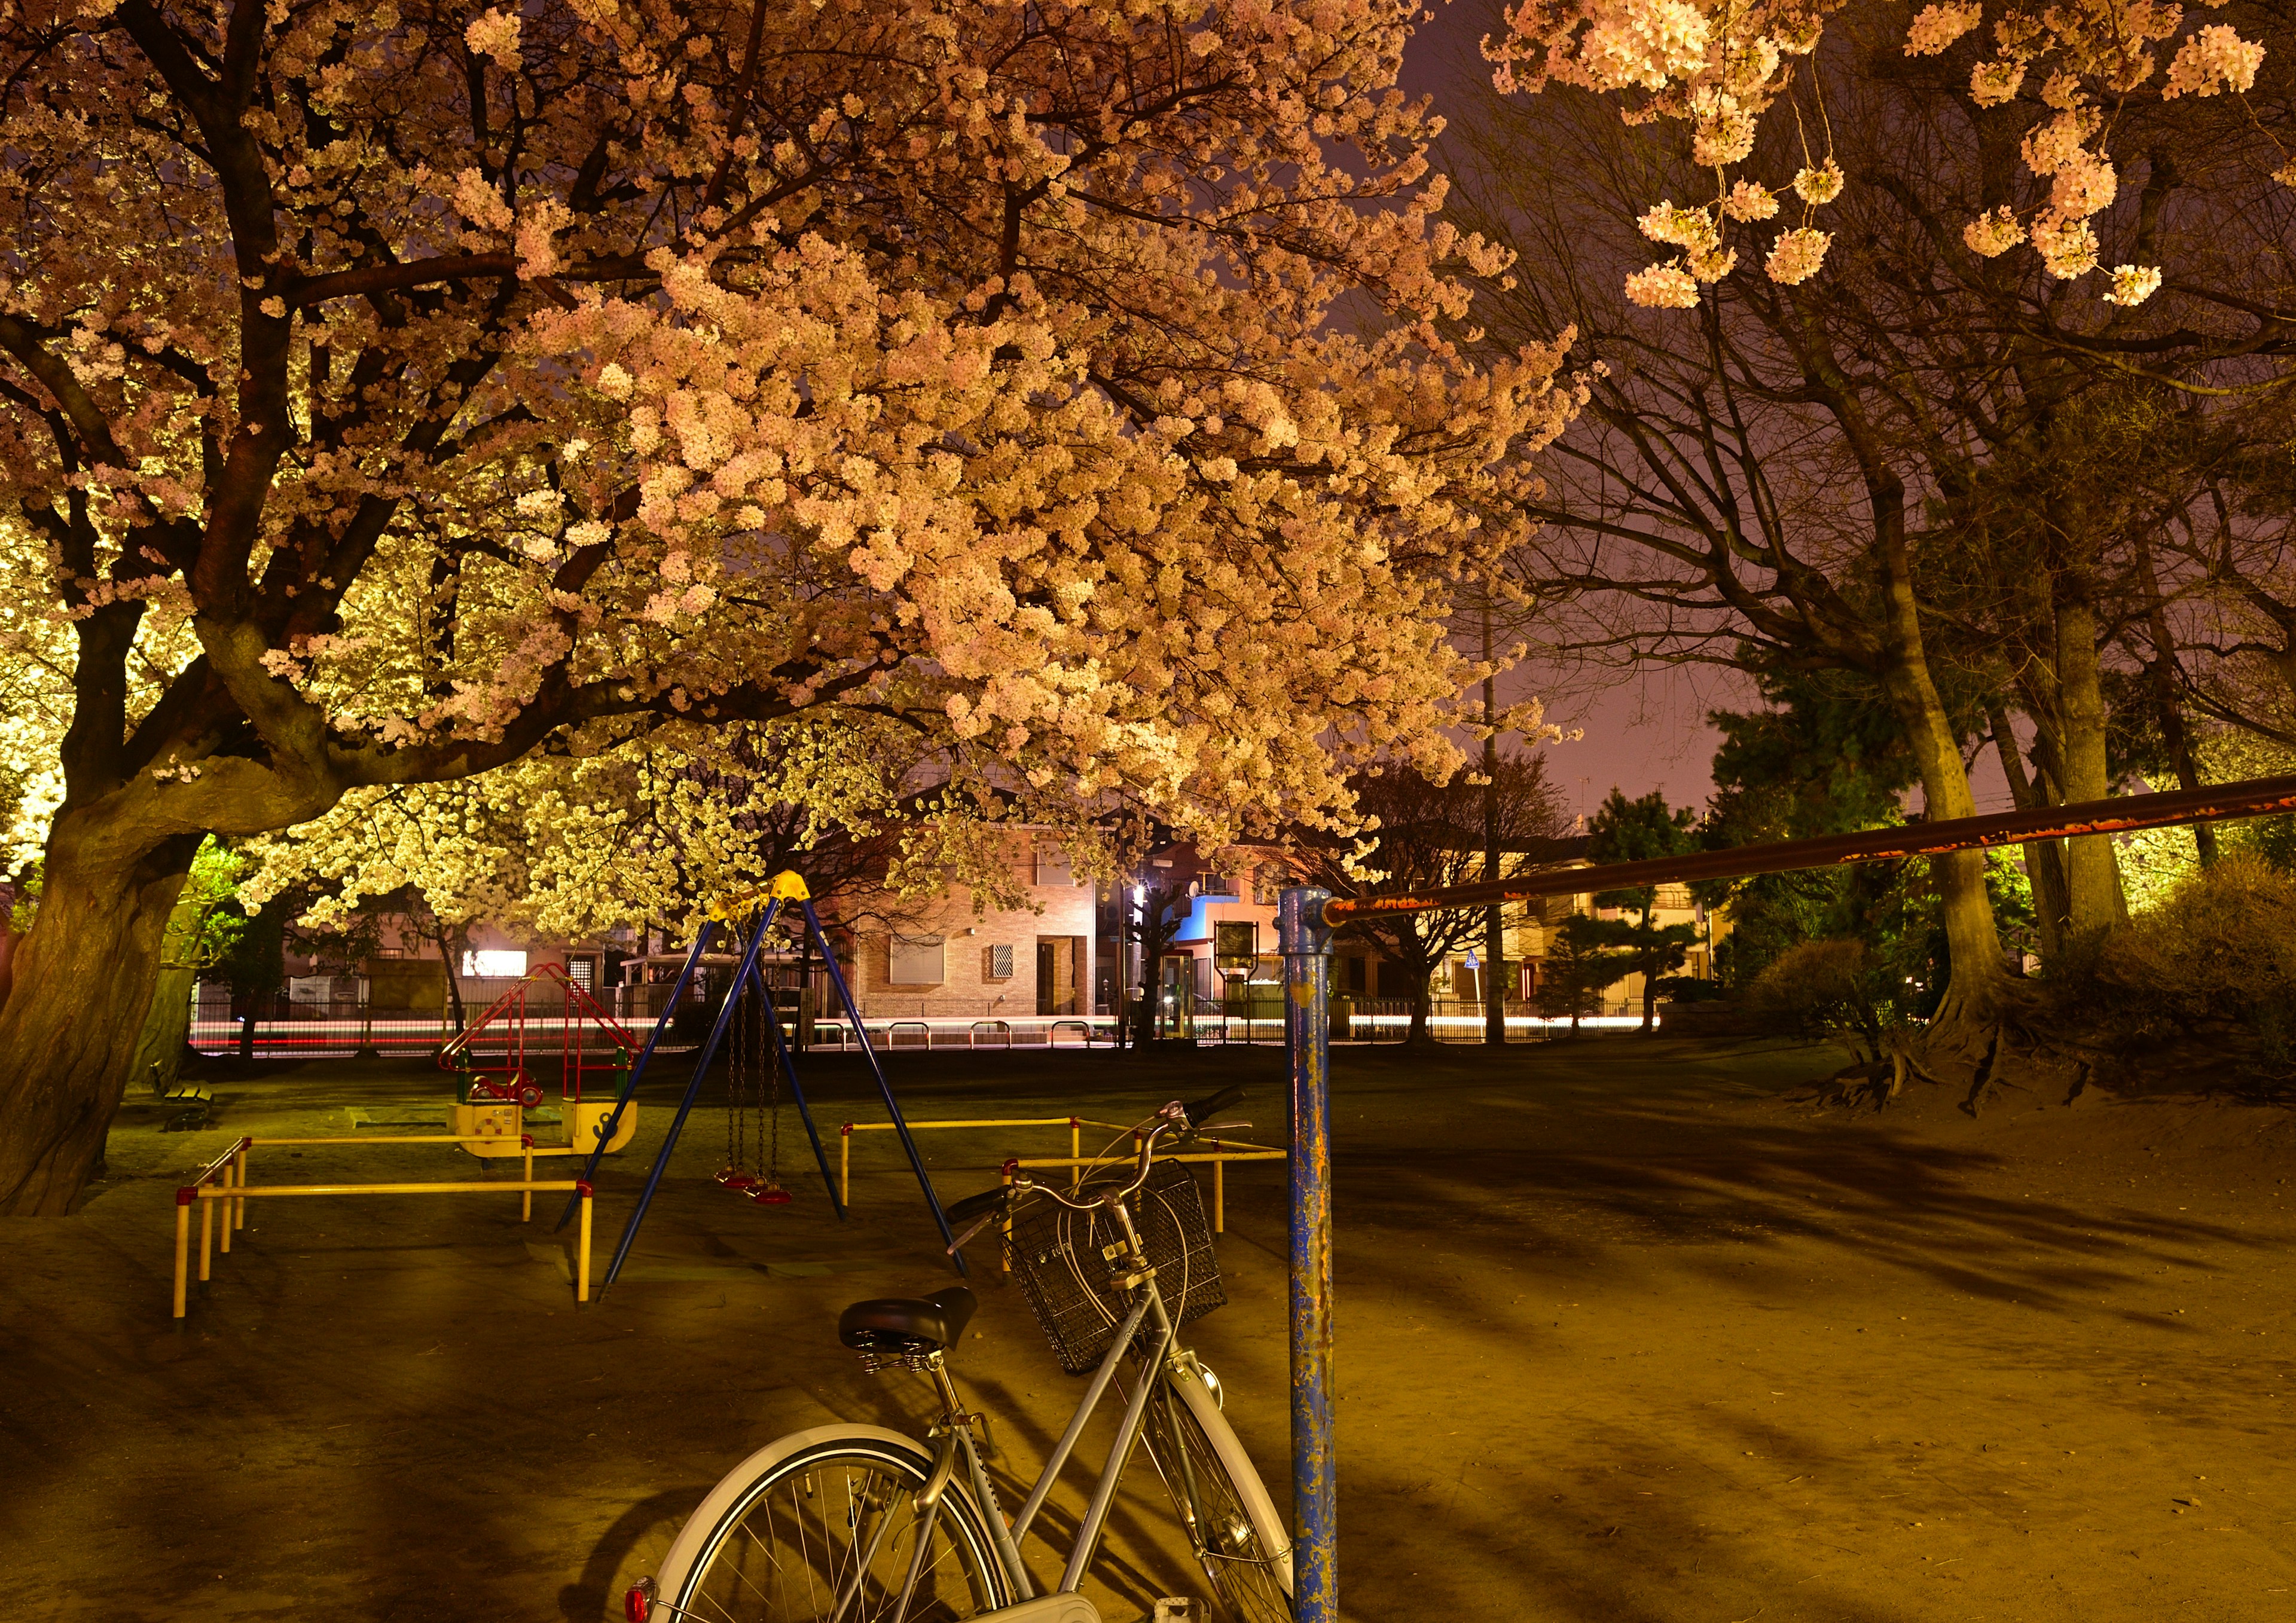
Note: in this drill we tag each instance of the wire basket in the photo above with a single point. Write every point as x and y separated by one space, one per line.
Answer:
1060 1257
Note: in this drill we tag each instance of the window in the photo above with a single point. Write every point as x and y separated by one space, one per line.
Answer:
1053 866
917 961
997 961
583 972
1233 944
1220 884
495 962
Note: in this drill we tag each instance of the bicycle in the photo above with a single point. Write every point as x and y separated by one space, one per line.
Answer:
859 1524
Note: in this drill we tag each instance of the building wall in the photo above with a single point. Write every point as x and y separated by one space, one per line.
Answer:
1059 910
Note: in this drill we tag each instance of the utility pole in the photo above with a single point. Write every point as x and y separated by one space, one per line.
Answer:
1494 929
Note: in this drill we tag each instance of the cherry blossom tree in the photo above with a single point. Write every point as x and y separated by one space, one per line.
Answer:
2089 83
389 392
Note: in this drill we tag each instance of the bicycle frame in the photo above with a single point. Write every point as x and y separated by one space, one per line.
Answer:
958 1446
959 1450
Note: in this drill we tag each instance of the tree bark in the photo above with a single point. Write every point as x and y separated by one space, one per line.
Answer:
2093 893
2163 673
1976 985
2044 862
1494 926
1650 981
82 983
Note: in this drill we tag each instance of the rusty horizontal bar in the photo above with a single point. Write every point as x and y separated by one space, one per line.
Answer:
268 1191
2211 803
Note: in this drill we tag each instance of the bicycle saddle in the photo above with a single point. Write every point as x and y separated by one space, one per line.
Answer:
908 1324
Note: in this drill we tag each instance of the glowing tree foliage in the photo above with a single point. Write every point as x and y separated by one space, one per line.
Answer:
1719 67
394 390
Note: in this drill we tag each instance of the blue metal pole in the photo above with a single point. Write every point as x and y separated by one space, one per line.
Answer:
684 1106
884 1088
637 1069
789 1070
1306 945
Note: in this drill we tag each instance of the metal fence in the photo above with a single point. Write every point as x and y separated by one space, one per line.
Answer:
1253 1019
312 1028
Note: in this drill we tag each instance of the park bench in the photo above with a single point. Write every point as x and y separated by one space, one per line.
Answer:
196 1103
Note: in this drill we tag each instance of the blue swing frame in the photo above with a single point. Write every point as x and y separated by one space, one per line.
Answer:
748 981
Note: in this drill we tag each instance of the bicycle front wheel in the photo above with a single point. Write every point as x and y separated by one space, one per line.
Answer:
1232 1522
823 1526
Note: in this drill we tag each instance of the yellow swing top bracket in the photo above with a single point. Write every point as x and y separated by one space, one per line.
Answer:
786 886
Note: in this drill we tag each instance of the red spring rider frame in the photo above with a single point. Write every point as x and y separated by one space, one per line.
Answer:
590 1044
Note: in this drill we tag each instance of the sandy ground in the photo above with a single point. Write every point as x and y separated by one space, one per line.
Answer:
1624 1335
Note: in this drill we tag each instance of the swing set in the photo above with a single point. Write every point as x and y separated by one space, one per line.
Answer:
753 1093
760 1063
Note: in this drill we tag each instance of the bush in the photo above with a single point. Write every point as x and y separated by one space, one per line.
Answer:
2215 958
1838 989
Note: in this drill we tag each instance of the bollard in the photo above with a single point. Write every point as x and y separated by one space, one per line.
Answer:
526 1210
1306 941
206 1231
239 1205
1004 1175
582 1247
224 1176
845 1165
183 1199
1076 1153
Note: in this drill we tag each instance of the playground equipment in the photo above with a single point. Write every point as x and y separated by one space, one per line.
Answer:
490 1100
762 911
750 1079
223 1182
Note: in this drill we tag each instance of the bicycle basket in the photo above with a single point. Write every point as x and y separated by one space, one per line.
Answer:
1058 1255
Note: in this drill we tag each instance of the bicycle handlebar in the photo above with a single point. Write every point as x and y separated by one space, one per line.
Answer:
1184 1120
1204 1110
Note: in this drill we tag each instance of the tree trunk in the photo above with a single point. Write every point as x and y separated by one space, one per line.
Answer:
9 892
167 1035
84 975
1420 1031
1494 927
2044 861
2092 876
455 1011
1976 986
2162 674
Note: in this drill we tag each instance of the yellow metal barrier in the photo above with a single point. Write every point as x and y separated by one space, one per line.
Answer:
1217 1155
225 1179
1075 1126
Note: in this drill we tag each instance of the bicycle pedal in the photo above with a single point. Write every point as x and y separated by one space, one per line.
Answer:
1179 1609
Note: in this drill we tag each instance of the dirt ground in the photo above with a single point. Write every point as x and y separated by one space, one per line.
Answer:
1623 1334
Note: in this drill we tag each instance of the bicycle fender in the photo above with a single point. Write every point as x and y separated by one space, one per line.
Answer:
1044 1609
734 1482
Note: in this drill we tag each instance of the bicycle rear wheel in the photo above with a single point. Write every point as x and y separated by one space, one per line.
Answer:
823 1525
1239 1539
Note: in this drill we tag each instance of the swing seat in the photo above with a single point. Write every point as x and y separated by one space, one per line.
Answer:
769 1193
734 1179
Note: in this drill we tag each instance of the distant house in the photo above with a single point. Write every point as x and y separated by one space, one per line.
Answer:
1531 929
952 959
1225 951
1070 951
